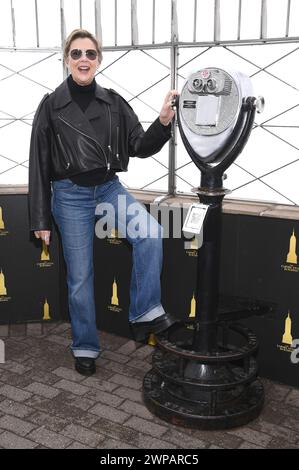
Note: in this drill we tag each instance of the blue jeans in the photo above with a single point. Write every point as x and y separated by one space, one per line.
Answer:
74 209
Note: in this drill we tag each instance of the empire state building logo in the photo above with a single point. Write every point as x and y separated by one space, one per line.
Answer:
114 298
115 237
45 259
2 224
46 311
114 305
192 247
291 258
3 289
2 227
192 313
287 338
292 255
45 255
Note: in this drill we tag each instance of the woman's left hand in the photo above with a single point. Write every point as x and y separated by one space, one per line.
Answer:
168 109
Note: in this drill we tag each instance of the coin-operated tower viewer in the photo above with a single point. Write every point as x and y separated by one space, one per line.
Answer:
204 371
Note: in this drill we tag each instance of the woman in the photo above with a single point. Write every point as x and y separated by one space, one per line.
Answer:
82 136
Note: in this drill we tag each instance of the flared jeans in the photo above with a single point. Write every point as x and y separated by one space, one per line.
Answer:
75 210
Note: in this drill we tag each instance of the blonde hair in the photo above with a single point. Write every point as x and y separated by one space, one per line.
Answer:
81 33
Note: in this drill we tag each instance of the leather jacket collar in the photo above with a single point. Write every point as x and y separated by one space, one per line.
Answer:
71 113
63 95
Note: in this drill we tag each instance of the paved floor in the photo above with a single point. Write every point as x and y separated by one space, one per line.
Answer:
44 403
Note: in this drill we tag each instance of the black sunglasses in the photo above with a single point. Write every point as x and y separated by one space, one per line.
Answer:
76 54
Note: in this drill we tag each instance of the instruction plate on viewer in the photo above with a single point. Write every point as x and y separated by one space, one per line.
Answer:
195 218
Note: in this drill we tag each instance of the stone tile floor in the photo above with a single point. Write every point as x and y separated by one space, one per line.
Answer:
45 403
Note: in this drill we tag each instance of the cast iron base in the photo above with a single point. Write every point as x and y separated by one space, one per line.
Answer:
204 390
237 410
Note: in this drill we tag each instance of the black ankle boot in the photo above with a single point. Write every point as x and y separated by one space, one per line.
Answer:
85 365
142 330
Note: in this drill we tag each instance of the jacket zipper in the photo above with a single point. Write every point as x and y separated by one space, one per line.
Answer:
110 137
117 139
63 151
110 134
88 136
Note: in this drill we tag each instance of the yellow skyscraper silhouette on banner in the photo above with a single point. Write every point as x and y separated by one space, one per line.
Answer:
114 298
287 336
152 341
45 256
114 302
115 237
114 233
46 310
192 313
1 220
194 244
3 290
292 255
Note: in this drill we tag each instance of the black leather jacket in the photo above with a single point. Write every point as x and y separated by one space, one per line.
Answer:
64 143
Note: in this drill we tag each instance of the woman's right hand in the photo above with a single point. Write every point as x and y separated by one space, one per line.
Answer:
44 235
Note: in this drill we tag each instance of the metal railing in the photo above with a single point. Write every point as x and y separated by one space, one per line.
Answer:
288 10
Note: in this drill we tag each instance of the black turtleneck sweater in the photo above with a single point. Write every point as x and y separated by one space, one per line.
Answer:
83 96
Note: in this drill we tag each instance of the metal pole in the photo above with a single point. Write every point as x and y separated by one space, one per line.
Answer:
288 18
239 19
63 36
174 76
154 22
13 23
217 21
195 20
174 22
115 22
80 13
263 19
134 23
98 23
208 265
36 24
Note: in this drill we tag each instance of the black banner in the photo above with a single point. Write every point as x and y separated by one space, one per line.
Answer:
259 261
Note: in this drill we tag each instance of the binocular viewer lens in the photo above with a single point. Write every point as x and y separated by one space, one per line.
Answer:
201 85
198 84
211 85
